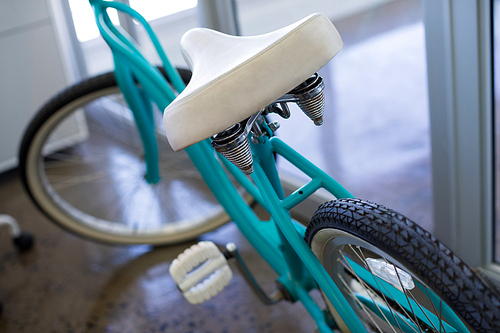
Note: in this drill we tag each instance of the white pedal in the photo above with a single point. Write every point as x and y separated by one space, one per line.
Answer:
201 272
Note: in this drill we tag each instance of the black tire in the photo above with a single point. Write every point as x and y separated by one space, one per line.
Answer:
24 242
76 213
339 223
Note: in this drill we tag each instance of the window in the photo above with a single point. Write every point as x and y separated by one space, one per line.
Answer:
169 19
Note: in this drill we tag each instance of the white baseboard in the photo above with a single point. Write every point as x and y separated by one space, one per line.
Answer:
8 164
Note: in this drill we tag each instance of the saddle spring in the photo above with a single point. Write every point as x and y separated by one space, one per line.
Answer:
233 142
310 97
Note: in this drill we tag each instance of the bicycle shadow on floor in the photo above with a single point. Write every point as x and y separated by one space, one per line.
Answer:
137 293
141 296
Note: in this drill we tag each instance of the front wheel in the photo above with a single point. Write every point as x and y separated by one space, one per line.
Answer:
82 162
397 276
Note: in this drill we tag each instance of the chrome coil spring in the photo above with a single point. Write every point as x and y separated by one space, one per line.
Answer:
310 98
241 156
314 108
233 144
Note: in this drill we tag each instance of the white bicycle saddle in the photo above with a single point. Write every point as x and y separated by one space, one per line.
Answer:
235 77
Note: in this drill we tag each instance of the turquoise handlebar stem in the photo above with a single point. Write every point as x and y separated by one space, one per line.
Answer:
131 67
144 118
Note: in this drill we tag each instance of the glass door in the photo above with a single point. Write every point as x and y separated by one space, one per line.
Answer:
376 136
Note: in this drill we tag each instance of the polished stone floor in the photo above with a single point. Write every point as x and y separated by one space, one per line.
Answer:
67 284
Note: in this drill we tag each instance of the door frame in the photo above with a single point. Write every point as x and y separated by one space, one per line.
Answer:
460 67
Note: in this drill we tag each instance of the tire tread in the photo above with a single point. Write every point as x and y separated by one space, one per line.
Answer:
437 266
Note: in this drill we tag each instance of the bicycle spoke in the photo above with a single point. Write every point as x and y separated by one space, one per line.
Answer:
352 271
89 159
436 311
408 295
421 309
376 280
367 311
69 181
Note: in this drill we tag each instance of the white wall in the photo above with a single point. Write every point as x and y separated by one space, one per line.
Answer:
30 70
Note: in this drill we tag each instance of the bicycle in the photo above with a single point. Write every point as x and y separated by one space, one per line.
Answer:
376 269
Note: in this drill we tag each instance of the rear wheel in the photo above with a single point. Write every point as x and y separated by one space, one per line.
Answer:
396 276
82 162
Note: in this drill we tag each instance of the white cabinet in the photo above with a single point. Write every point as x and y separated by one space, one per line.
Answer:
31 69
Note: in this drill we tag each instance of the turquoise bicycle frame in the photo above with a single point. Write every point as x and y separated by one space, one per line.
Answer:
279 241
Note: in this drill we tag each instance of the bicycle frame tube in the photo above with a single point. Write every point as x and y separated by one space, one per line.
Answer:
279 241
131 68
279 207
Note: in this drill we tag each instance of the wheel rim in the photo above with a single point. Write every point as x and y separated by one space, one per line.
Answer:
95 177
382 306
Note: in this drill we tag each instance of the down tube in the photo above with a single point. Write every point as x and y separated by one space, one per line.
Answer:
282 219
254 230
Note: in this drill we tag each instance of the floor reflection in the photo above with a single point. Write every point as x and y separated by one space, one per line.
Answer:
375 139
